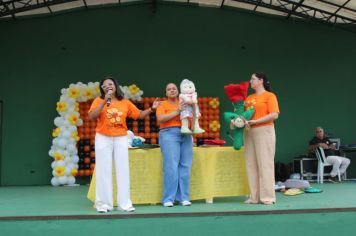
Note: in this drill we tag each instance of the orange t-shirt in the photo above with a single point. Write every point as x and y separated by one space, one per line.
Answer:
165 108
112 119
264 104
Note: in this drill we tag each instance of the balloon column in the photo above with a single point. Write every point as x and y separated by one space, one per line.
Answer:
64 150
237 94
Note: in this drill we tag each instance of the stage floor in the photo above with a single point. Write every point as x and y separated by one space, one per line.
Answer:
47 202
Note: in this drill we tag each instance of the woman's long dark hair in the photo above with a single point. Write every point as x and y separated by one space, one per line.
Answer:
119 94
266 83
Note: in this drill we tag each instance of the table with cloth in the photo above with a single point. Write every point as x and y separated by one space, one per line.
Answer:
216 172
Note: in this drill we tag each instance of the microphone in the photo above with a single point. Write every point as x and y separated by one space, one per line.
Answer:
108 100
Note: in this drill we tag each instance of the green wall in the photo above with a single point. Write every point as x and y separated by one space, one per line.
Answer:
309 65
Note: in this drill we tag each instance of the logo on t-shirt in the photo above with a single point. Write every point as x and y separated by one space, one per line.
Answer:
114 116
250 104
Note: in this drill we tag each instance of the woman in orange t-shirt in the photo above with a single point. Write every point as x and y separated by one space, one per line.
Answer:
110 111
176 148
260 141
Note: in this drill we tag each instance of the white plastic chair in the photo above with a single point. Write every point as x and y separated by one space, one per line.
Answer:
320 154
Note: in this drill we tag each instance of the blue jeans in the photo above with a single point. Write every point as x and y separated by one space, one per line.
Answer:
177 152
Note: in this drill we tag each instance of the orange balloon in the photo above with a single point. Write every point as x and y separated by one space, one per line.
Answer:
147 129
211 117
153 141
86 160
87 172
86 148
92 154
86 130
92 166
80 173
153 135
92 141
135 129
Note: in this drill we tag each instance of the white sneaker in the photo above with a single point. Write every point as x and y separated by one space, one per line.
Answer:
101 210
168 204
186 203
130 209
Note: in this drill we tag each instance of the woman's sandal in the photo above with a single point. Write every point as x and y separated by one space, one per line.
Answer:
268 203
249 201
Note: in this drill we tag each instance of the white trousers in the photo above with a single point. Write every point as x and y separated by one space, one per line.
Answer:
107 150
338 163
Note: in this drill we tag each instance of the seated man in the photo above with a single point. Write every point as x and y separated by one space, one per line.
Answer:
338 162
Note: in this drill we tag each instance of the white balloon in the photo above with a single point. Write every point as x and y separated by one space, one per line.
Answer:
71 108
71 148
54 181
62 180
70 180
55 141
64 97
72 128
51 152
63 91
75 159
80 122
58 121
62 143
66 134
65 153
66 123
68 170
53 165
59 163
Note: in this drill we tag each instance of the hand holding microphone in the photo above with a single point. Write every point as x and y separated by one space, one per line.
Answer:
108 97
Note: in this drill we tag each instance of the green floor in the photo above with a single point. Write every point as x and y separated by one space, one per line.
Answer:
327 224
71 201
48 200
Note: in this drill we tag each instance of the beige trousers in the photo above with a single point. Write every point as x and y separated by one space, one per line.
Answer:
260 146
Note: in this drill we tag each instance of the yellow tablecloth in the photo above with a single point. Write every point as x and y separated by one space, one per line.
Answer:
216 172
